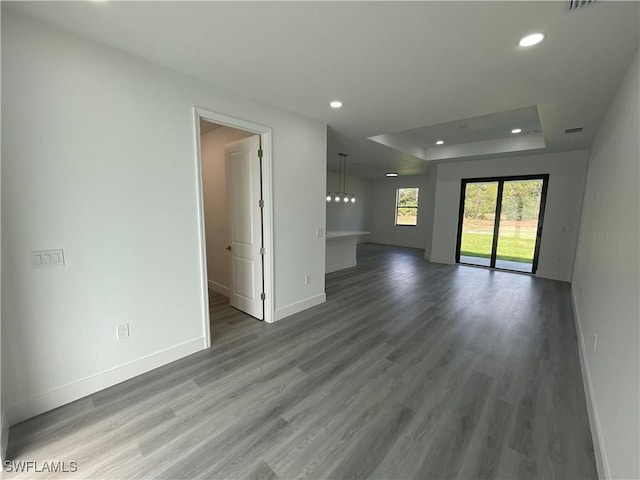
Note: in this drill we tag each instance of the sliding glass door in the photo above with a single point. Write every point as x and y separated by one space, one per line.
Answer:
478 223
500 222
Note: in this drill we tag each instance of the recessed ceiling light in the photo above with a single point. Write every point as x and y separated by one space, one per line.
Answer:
391 174
516 130
532 39
335 104
440 142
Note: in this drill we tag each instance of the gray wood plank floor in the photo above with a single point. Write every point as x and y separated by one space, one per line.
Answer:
409 370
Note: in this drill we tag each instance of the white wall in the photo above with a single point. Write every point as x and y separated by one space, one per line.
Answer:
4 428
381 212
349 216
214 187
567 173
430 213
606 284
98 158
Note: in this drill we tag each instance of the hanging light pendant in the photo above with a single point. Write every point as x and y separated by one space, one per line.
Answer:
335 196
341 195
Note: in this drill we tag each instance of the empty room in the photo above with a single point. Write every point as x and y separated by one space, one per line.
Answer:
386 240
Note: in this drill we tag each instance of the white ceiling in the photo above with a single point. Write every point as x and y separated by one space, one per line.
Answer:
395 65
492 132
486 127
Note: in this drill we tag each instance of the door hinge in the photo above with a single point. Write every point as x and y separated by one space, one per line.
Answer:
259 153
263 296
261 203
261 250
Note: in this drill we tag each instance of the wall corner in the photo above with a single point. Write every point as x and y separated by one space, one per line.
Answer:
4 438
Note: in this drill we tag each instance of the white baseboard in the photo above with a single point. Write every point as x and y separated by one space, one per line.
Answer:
395 243
37 404
600 452
4 437
340 266
551 275
445 261
283 312
216 287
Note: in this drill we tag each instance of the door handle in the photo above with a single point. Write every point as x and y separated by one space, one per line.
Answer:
228 247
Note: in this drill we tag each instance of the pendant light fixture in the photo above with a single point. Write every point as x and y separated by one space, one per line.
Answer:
341 195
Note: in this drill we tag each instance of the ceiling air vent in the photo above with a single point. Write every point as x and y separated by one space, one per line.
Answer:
569 131
576 4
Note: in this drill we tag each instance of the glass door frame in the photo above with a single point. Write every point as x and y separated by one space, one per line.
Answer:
496 223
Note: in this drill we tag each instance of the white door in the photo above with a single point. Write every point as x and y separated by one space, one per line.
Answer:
245 222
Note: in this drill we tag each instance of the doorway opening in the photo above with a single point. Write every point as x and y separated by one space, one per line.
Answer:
500 222
235 215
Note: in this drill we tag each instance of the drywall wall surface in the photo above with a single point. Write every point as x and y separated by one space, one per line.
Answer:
381 211
98 159
214 189
431 209
4 429
351 216
606 284
567 174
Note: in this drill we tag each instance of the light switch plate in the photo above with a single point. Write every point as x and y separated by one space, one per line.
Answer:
47 258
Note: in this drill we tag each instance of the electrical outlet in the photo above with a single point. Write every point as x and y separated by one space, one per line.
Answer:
307 279
595 342
122 331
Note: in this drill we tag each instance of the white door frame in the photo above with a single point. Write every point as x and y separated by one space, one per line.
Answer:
267 192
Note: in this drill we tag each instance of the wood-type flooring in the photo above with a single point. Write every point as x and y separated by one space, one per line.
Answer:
409 370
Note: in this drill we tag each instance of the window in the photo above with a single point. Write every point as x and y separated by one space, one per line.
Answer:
407 206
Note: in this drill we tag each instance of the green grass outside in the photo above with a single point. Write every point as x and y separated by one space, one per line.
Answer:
514 249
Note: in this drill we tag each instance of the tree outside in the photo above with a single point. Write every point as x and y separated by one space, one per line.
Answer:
407 206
